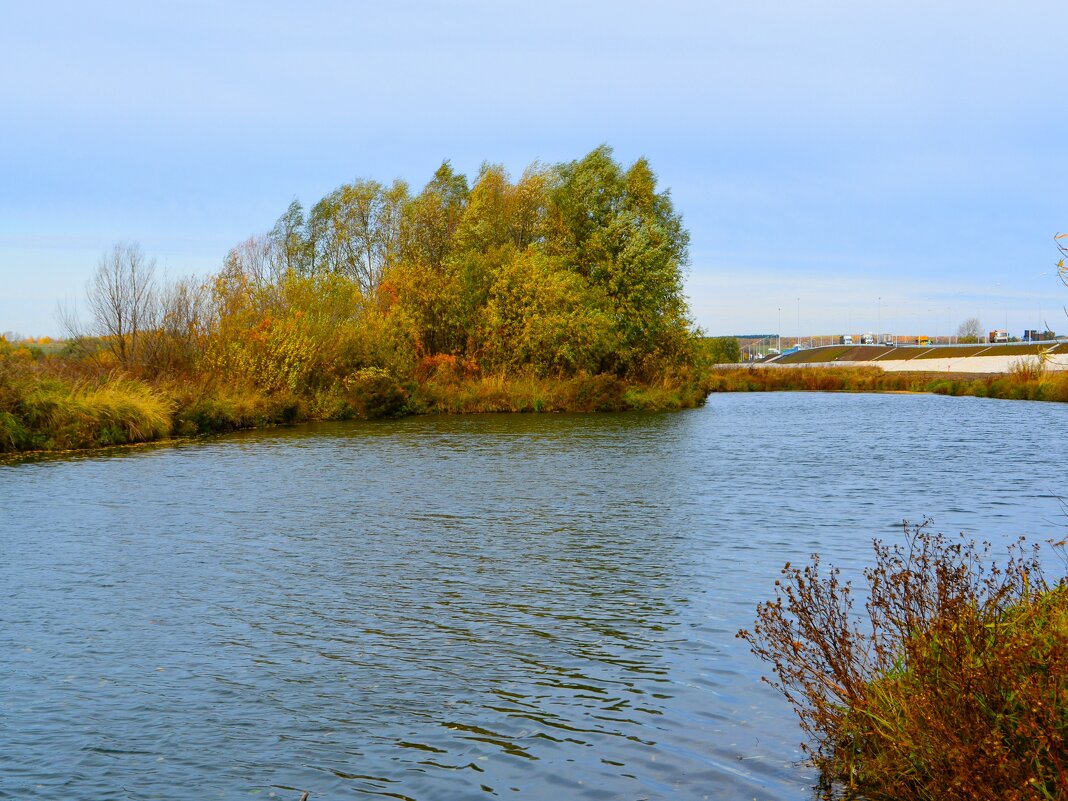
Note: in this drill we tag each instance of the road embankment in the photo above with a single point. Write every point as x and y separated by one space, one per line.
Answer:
1027 382
939 359
964 364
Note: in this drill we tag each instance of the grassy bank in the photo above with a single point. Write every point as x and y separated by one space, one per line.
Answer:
43 412
1028 382
582 393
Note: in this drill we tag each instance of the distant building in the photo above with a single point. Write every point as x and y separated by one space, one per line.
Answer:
1031 335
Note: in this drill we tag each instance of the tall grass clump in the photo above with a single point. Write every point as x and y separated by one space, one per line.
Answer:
52 414
951 684
127 410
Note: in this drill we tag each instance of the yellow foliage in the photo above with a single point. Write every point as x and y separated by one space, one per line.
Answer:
546 317
283 337
107 359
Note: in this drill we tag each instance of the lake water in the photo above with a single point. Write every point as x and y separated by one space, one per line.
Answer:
529 607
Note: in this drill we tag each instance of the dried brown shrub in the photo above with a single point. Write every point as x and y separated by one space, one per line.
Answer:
951 684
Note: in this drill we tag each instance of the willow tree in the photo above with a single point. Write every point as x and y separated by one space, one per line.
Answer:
289 239
342 232
432 217
613 226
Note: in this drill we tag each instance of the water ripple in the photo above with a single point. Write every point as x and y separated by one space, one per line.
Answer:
531 606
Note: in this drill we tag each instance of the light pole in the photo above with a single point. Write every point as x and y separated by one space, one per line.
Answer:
997 291
1005 306
879 324
798 343
779 329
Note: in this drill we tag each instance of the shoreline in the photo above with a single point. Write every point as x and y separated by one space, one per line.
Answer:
53 417
125 413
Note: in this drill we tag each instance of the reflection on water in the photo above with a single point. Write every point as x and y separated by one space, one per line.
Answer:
539 607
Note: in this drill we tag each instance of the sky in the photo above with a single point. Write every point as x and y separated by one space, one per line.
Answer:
864 166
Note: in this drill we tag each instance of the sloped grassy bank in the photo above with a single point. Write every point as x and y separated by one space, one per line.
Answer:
1027 382
50 413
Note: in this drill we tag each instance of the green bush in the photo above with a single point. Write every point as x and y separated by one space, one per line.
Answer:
722 350
1026 382
373 393
218 409
595 393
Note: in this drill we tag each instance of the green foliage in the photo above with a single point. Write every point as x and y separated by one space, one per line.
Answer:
597 393
546 318
373 393
722 350
291 335
432 218
611 227
953 687
293 250
575 267
13 434
220 408
428 306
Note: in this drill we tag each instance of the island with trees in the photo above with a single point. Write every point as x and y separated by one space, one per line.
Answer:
561 290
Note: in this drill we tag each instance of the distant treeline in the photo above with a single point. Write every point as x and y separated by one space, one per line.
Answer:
723 350
562 289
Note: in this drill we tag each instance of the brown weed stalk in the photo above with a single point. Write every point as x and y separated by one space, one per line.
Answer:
951 684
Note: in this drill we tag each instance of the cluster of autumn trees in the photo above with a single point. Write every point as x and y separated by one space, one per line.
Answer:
573 268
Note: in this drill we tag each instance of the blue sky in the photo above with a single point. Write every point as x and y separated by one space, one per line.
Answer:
902 164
